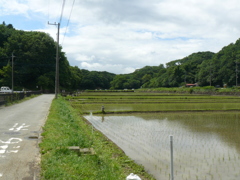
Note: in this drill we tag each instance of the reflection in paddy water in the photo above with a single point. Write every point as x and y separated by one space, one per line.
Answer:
206 146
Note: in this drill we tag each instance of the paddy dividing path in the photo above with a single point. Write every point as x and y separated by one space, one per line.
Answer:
20 126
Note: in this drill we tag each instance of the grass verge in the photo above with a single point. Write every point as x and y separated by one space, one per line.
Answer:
65 127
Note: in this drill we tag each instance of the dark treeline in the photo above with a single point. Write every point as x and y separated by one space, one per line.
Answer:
34 57
203 68
34 67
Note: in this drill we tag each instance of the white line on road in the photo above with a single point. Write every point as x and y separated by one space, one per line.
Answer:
11 129
4 147
15 140
15 128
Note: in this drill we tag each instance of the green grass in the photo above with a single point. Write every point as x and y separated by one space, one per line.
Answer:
193 90
152 102
65 127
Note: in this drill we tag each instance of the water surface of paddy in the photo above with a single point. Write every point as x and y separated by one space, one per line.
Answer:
206 145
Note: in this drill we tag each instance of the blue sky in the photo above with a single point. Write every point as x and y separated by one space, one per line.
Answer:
120 36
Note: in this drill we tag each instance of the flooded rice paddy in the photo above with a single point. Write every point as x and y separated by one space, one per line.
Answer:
205 130
206 145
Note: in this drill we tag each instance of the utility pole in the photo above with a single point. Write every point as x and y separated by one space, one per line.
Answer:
171 155
185 78
12 72
57 62
236 74
210 74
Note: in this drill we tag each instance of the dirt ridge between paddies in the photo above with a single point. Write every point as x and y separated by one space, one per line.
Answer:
140 112
65 127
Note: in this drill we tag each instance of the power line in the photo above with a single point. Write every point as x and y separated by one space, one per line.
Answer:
48 8
63 5
68 21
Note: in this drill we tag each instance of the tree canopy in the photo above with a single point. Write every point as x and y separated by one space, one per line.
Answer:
203 68
33 56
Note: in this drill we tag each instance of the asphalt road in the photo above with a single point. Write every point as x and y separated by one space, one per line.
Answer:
20 127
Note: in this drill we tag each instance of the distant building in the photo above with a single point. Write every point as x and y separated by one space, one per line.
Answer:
191 85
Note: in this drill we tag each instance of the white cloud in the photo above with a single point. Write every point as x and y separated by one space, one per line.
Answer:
120 36
102 67
13 7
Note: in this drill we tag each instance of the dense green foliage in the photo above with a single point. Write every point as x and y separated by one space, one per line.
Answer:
176 73
203 68
34 63
96 80
34 66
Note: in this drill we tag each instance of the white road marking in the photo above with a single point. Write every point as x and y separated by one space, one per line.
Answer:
17 140
4 147
12 151
11 129
15 128
1 174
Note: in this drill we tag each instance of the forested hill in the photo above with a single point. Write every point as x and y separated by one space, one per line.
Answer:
175 74
34 67
203 68
34 57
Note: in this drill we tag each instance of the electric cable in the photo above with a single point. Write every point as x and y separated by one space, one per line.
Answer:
63 5
68 22
48 8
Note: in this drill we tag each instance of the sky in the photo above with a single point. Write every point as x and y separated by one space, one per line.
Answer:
120 36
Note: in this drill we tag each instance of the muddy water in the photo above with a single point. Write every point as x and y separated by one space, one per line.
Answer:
206 146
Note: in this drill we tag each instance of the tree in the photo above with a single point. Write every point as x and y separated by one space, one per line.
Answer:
44 82
6 75
118 82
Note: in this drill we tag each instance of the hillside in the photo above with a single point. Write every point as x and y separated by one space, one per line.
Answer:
203 68
33 54
34 63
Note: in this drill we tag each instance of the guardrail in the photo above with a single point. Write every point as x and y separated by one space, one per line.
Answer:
11 97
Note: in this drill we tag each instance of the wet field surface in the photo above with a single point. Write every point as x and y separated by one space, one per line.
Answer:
206 145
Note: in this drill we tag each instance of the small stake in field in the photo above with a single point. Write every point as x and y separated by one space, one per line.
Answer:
103 109
171 151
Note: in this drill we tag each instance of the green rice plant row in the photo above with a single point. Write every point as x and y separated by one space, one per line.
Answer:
117 101
158 107
150 96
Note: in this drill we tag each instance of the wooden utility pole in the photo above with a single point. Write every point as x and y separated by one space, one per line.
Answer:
12 73
57 62
171 155
236 74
